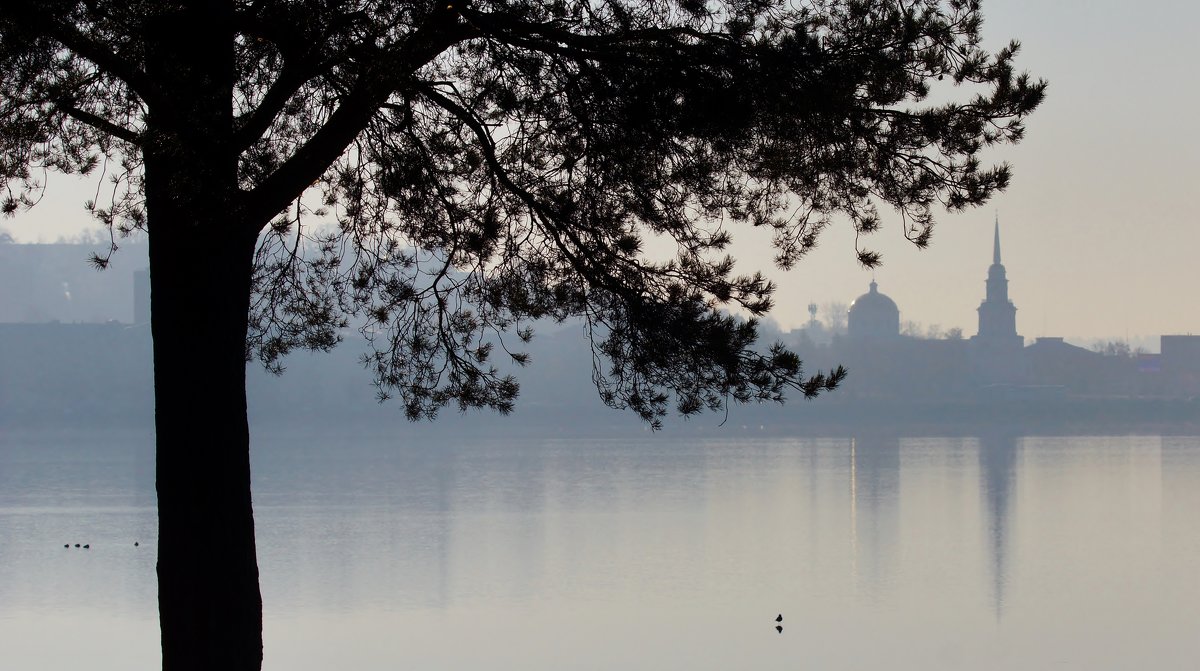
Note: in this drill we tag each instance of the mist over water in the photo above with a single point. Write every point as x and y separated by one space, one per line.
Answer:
997 551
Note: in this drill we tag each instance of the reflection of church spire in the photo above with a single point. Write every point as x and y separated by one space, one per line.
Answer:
997 472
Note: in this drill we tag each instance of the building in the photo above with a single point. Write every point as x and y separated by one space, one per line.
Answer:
996 350
994 365
56 283
68 359
1179 365
997 314
873 317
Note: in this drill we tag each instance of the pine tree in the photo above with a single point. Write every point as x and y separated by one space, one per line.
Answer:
487 163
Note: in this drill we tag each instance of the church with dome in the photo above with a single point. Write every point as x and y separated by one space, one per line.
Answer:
995 362
75 347
873 317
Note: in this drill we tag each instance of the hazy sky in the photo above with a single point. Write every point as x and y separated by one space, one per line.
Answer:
1099 225
1099 231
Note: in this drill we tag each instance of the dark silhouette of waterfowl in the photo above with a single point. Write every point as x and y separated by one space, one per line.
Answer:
86 546
779 617
779 628
135 544
77 545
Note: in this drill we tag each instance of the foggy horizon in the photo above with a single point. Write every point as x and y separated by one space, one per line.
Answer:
131 258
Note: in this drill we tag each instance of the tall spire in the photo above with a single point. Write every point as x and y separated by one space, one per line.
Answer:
997 315
996 247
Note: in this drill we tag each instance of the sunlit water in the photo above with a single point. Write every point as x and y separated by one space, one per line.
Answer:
999 552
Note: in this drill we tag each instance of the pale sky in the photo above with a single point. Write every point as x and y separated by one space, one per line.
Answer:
1099 227
1099 232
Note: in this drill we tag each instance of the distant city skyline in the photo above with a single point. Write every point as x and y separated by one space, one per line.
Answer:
1099 225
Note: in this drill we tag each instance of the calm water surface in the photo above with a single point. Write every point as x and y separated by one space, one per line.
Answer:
992 552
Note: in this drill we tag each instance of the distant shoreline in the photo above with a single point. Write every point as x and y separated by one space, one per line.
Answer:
818 417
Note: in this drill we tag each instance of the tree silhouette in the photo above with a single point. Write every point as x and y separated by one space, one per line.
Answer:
486 163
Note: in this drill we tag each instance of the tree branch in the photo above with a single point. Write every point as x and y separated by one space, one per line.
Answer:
302 61
250 126
100 123
59 28
374 86
314 157
536 207
549 37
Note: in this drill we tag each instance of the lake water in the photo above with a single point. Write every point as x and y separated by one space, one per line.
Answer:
662 552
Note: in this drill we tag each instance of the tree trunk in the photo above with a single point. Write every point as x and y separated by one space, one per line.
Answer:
201 264
209 603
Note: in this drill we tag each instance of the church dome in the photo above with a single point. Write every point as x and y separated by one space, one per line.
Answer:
873 316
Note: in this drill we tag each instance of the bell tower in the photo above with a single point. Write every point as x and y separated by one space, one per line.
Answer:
997 314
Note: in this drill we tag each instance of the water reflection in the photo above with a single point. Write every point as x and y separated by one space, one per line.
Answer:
643 554
874 508
997 475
